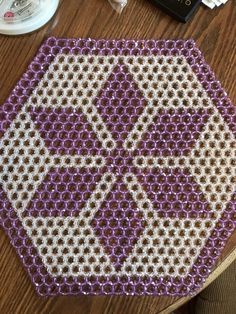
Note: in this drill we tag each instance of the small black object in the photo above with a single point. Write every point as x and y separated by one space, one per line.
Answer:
182 10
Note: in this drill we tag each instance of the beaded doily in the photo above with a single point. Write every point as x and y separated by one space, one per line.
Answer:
118 167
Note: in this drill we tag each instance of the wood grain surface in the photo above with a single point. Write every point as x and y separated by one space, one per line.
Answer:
215 34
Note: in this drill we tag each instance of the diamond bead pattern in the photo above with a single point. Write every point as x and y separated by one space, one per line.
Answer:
118 224
118 167
24 161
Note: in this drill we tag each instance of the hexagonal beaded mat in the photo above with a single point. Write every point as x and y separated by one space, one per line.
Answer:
118 167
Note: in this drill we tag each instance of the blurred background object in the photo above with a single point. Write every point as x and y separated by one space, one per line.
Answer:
217 298
24 16
118 5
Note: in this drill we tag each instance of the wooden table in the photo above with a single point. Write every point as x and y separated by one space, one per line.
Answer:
213 30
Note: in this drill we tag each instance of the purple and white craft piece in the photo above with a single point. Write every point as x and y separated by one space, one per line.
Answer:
118 167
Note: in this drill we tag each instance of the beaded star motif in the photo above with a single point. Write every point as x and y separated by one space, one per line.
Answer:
118 167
